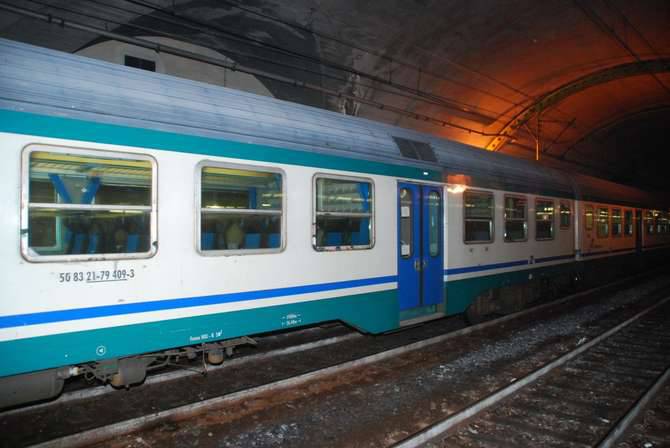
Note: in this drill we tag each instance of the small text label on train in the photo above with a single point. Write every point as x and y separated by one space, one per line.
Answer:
101 276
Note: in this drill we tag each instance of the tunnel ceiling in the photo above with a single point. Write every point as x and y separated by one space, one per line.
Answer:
584 83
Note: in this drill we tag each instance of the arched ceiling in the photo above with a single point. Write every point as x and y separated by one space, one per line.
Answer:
586 84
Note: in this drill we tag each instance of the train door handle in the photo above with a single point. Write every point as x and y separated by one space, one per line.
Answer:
420 265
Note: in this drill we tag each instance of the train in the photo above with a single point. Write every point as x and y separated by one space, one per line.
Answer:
146 216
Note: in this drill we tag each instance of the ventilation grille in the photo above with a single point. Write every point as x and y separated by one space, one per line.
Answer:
415 150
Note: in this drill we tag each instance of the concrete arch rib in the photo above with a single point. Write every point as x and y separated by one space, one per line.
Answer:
649 66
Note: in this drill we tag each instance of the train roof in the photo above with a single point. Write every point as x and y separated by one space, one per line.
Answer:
49 82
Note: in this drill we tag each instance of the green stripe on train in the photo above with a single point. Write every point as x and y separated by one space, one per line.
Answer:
75 129
374 312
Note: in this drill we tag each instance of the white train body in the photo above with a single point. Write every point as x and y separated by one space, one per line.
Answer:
74 307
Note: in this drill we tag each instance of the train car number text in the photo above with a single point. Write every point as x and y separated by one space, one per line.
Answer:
112 275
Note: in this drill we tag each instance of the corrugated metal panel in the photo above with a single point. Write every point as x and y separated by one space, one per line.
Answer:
39 80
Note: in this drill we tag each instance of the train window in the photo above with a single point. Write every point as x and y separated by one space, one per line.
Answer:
144 64
603 222
649 222
588 217
564 215
478 215
343 213
88 205
241 209
616 222
662 222
628 222
544 219
516 219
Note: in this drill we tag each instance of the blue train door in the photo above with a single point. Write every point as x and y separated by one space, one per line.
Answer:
420 258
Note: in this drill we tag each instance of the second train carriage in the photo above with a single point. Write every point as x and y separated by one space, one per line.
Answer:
145 213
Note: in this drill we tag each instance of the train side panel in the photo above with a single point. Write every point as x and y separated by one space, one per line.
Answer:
477 267
179 297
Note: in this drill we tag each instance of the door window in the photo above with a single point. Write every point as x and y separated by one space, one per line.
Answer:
406 207
434 223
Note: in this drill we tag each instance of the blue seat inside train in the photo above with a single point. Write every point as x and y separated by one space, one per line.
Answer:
93 240
133 242
274 240
334 239
207 241
252 240
78 243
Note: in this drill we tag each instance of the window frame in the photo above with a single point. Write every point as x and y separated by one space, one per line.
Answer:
553 218
607 234
647 218
370 215
661 223
591 208
506 220
198 209
492 225
101 153
631 213
621 223
568 206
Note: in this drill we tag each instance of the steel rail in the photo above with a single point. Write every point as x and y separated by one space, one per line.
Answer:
612 437
443 426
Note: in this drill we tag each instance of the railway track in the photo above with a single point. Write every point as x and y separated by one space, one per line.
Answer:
587 397
385 348
651 427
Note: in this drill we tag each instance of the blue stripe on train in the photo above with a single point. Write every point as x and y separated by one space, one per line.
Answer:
485 267
554 258
161 305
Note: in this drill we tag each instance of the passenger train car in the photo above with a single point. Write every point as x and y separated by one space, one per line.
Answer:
144 214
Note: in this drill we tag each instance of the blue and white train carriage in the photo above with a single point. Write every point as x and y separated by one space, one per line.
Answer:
143 213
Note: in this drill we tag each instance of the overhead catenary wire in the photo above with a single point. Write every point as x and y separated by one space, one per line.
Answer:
593 16
232 66
202 26
274 62
249 70
153 6
470 111
642 38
